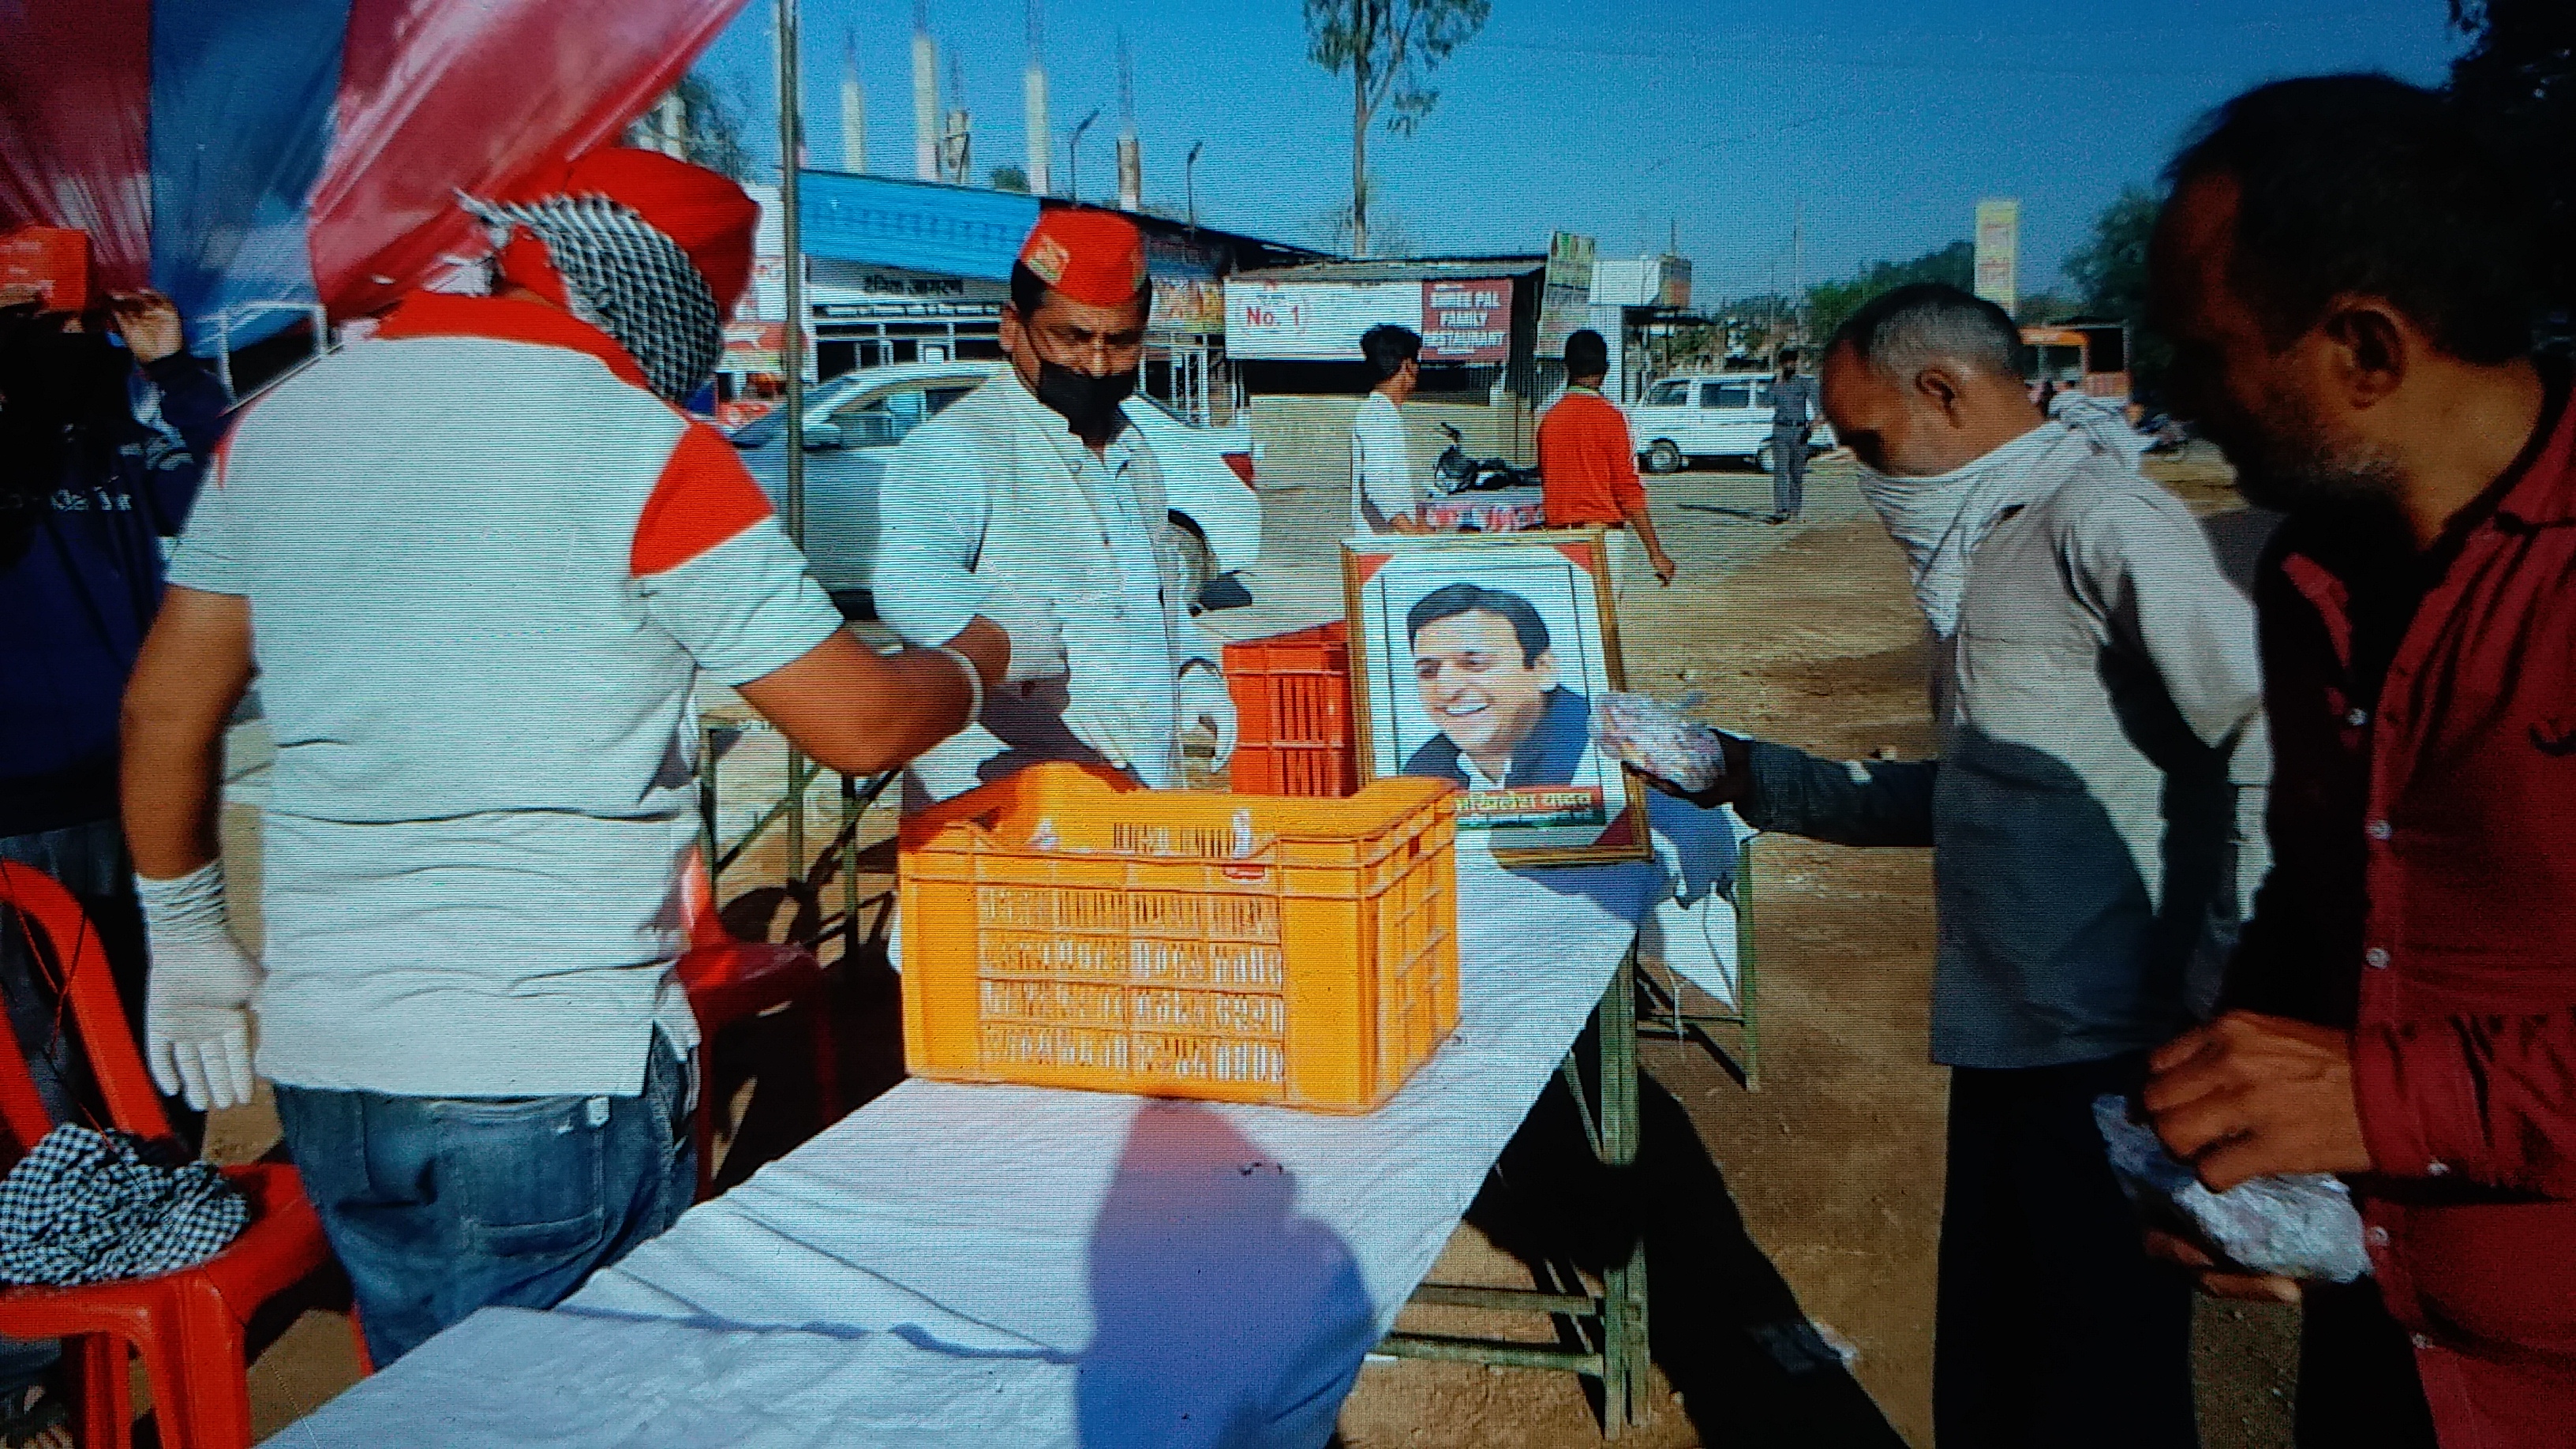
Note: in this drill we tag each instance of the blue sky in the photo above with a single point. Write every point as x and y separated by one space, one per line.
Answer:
1885 120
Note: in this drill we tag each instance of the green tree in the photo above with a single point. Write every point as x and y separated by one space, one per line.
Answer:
1390 47
2110 270
1010 178
711 126
2519 77
2044 306
2110 276
1830 304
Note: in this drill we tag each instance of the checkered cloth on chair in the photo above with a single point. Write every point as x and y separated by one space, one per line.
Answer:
89 1207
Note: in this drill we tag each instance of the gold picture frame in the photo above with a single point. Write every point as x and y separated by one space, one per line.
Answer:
1527 634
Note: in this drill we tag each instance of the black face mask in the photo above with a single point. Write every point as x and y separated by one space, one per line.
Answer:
1089 404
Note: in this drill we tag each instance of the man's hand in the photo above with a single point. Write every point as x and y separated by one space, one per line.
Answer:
2252 1096
149 323
2220 1282
1729 788
196 1013
1664 566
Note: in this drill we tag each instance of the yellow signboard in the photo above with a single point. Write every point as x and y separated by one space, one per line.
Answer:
1999 250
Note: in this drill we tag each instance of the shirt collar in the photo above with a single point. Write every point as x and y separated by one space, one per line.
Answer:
505 319
2541 486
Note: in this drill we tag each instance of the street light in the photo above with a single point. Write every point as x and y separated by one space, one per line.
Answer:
1073 156
1189 183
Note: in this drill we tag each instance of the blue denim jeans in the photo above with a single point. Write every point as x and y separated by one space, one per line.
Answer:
438 1206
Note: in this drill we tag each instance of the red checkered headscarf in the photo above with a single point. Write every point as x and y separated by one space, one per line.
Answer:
649 249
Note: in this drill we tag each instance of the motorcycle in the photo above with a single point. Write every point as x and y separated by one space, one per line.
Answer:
2165 436
1456 472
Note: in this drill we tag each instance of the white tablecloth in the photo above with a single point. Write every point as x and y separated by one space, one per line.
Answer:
1007 1265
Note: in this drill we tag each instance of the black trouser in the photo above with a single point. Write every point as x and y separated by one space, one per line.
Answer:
2054 1326
1788 471
2357 1383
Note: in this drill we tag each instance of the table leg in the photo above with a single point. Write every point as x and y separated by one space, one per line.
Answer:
707 806
1618 1351
1623 1283
850 872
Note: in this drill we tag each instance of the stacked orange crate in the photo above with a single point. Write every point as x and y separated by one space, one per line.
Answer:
1295 731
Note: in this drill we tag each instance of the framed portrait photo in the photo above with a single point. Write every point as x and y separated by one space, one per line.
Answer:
1475 659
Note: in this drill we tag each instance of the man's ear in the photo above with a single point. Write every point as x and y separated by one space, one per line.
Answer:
1940 387
2371 344
1544 666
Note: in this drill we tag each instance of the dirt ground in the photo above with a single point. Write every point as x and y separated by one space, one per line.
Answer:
1812 1203
1790 1229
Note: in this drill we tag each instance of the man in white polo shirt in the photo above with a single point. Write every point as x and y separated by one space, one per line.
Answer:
480 562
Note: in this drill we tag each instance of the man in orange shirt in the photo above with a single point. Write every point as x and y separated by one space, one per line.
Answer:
1587 464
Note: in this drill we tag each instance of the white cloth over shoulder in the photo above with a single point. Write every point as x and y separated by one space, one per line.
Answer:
1940 520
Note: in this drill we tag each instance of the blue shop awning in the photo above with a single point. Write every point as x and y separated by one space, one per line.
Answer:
957 231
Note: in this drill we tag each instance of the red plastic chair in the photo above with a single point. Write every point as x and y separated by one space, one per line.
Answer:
730 981
188 1326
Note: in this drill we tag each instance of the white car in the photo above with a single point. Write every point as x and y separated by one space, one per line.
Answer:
854 421
1682 420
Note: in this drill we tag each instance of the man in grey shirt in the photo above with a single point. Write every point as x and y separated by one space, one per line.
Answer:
1793 420
2097 699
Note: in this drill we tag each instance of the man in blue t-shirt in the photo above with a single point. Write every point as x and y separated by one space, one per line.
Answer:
104 421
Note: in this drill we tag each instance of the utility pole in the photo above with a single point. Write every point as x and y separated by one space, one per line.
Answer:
1189 181
791 153
1798 252
1362 26
1131 156
959 153
1033 85
854 106
925 95
1073 157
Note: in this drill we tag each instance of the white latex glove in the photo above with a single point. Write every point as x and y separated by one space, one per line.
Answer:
196 1012
1107 725
1034 629
1207 702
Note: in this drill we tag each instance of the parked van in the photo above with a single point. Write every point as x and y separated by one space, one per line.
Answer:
1684 420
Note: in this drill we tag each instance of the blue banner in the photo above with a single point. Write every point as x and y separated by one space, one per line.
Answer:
242 102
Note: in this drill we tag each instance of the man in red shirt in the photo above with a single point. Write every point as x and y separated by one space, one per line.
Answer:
1587 466
2345 276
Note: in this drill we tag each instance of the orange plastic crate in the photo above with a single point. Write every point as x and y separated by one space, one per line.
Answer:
1157 950
1295 734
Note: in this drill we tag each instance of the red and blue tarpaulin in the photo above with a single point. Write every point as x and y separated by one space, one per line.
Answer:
257 158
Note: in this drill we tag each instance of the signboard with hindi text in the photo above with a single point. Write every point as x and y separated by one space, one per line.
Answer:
1999 250
1313 321
1465 321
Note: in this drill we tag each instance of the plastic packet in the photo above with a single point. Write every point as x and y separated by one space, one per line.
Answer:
2299 1226
1659 739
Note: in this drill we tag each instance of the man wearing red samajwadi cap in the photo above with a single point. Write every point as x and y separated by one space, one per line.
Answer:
482 561
1035 486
